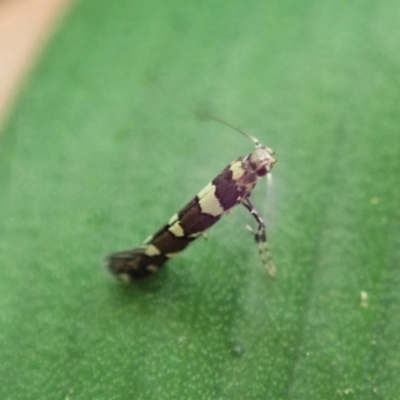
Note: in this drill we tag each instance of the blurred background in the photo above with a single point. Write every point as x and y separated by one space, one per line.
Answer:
24 28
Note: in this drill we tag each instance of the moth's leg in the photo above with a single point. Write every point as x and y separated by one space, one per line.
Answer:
260 237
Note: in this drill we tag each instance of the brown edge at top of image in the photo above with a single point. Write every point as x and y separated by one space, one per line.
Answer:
24 27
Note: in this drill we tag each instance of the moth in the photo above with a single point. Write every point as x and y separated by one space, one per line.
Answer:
233 186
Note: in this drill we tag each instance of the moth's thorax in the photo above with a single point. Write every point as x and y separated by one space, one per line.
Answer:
261 160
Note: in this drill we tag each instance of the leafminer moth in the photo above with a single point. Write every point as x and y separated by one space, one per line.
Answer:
231 187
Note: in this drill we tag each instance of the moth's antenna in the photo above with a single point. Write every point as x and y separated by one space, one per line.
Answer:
200 112
207 114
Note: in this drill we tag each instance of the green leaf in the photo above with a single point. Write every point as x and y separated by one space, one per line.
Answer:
96 156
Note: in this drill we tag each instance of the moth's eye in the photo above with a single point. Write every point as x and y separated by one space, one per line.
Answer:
262 171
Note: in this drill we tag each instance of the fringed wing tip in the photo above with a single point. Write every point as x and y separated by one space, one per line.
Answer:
128 265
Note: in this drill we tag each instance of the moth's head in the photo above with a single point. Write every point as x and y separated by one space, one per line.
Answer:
262 160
